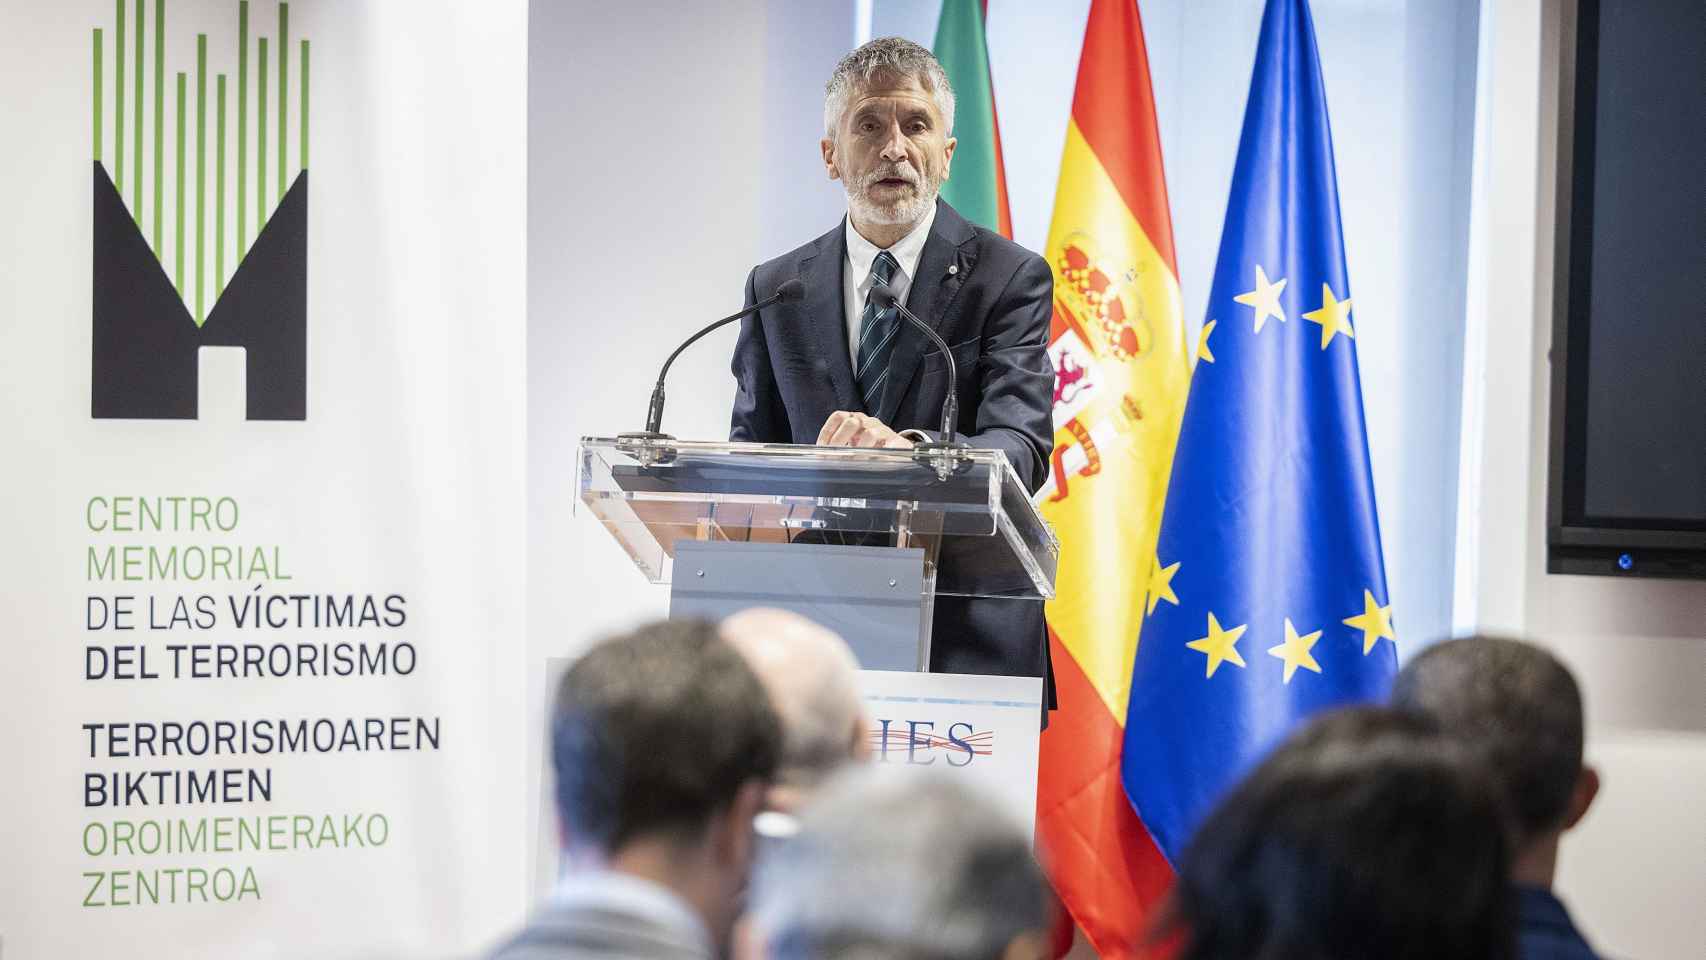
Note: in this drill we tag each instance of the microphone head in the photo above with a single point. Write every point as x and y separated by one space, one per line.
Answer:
792 290
881 295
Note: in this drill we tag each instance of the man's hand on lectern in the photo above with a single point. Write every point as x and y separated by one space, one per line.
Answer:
845 428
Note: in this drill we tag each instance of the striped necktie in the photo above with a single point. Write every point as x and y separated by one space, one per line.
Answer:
877 329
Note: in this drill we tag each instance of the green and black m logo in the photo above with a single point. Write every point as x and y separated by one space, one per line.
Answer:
245 288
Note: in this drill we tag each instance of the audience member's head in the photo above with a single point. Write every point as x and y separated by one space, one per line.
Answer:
813 683
1519 708
897 865
664 743
1365 835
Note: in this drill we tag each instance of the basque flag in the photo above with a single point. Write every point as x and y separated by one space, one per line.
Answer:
1269 598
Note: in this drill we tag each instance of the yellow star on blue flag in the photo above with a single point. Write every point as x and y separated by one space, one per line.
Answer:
1270 511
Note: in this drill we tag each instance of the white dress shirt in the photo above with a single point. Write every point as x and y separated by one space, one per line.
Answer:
856 272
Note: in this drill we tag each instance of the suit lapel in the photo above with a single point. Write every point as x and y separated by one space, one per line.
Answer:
931 294
826 314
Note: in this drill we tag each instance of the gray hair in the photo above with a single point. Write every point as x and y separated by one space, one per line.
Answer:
813 682
1516 706
895 863
890 56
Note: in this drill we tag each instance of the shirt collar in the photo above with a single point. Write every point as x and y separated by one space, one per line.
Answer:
630 894
907 251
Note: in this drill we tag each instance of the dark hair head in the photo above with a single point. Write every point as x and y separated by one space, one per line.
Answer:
1365 835
654 732
1515 705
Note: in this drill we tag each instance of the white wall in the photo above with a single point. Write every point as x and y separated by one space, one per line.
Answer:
661 136
643 183
1634 873
671 148
802 42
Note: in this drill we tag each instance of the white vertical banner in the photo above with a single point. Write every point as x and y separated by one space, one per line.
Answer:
262 403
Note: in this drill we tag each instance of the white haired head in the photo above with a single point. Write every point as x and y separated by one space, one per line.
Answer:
886 57
812 679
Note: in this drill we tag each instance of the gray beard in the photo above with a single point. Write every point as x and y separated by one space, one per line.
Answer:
904 213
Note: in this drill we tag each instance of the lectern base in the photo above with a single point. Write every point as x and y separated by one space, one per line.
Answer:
874 597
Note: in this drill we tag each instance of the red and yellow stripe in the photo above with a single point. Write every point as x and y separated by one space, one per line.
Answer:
1118 321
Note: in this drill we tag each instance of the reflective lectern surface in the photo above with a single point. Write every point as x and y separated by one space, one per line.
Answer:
968 510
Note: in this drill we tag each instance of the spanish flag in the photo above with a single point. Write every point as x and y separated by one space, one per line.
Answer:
1122 373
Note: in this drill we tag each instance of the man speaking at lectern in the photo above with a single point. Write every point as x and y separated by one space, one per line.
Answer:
837 369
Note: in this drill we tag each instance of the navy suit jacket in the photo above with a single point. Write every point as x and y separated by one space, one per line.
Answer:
1545 930
990 300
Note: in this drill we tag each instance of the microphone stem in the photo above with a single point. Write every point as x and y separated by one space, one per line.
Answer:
951 406
690 341
654 412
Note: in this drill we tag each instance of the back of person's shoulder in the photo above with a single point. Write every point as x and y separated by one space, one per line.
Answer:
592 938
1553 945
590 924
1545 929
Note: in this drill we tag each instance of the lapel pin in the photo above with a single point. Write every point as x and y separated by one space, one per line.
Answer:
953 268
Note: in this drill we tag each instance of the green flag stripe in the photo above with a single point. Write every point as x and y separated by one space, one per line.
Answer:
961 48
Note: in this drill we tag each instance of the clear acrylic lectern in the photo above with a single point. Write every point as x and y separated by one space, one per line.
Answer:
859 540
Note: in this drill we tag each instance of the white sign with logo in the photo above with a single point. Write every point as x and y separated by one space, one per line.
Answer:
985 729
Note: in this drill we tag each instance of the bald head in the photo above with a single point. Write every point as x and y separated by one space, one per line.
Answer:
812 680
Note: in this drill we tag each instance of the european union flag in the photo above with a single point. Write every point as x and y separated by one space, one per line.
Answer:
1268 598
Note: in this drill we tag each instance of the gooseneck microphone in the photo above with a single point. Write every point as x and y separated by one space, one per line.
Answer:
885 298
789 291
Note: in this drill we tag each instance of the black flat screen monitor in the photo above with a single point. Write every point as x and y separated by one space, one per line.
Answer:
1627 490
